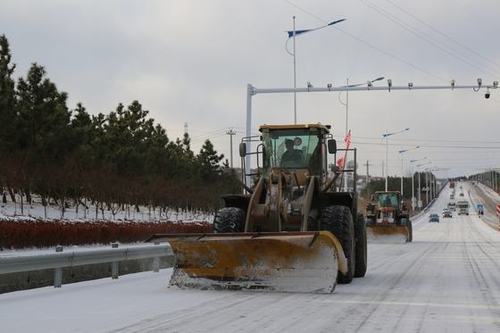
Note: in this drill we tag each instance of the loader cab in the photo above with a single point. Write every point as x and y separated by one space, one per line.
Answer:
295 147
388 199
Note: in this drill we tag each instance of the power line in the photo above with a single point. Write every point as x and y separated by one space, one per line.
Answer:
358 39
419 34
427 140
444 35
430 146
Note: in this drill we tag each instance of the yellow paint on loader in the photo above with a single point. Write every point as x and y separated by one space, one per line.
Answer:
387 233
280 261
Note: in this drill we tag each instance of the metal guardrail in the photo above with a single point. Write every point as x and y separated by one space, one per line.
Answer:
60 259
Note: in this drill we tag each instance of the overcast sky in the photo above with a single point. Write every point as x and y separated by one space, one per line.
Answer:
189 62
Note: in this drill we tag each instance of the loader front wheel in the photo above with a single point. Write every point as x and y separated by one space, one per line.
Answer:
229 219
338 220
361 247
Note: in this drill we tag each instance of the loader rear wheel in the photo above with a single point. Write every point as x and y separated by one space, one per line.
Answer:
361 247
338 220
229 219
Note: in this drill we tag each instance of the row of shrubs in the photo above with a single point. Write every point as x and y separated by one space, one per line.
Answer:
39 234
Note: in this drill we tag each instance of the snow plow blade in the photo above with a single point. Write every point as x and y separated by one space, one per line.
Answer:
387 233
278 261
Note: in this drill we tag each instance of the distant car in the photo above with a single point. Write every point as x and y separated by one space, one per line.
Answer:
434 218
447 213
462 194
480 209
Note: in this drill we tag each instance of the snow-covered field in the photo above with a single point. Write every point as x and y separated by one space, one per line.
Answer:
447 280
14 211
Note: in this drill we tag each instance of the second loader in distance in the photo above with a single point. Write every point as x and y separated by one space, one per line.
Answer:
387 218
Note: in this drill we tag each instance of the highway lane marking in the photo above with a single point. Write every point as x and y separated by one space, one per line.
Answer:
418 304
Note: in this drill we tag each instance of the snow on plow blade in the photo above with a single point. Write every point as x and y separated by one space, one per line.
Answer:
279 261
387 233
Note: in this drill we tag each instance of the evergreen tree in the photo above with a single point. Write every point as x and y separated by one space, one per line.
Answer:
209 160
43 116
8 117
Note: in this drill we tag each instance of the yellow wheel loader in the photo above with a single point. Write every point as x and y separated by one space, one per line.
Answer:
387 219
293 230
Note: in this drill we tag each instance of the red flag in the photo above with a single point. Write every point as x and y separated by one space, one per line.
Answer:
347 143
347 140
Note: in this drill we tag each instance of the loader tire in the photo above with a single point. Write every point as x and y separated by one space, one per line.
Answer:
361 247
229 219
338 220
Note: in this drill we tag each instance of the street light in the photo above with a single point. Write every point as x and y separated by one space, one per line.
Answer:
413 203
346 104
419 187
386 137
369 84
292 34
402 167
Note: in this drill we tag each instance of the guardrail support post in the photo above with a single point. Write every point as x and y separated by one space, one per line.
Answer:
58 271
156 261
114 264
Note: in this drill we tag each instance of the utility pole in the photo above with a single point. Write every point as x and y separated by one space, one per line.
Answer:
419 203
367 164
386 163
412 190
402 176
231 132
427 188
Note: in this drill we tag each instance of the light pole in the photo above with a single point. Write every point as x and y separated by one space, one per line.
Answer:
346 104
413 203
292 34
427 176
402 167
231 132
386 137
419 204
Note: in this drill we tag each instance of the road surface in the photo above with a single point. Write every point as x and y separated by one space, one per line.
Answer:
447 280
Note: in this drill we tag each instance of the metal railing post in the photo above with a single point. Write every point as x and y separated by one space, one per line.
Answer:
114 264
58 271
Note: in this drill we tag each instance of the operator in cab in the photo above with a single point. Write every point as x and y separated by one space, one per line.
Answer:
291 158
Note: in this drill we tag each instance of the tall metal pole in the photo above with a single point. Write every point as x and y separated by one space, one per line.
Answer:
427 188
431 183
231 132
367 172
248 133
419 203
402 173
412 189
346 128
347 107
294 78
386 162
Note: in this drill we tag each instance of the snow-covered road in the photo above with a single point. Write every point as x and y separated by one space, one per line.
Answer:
447 280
